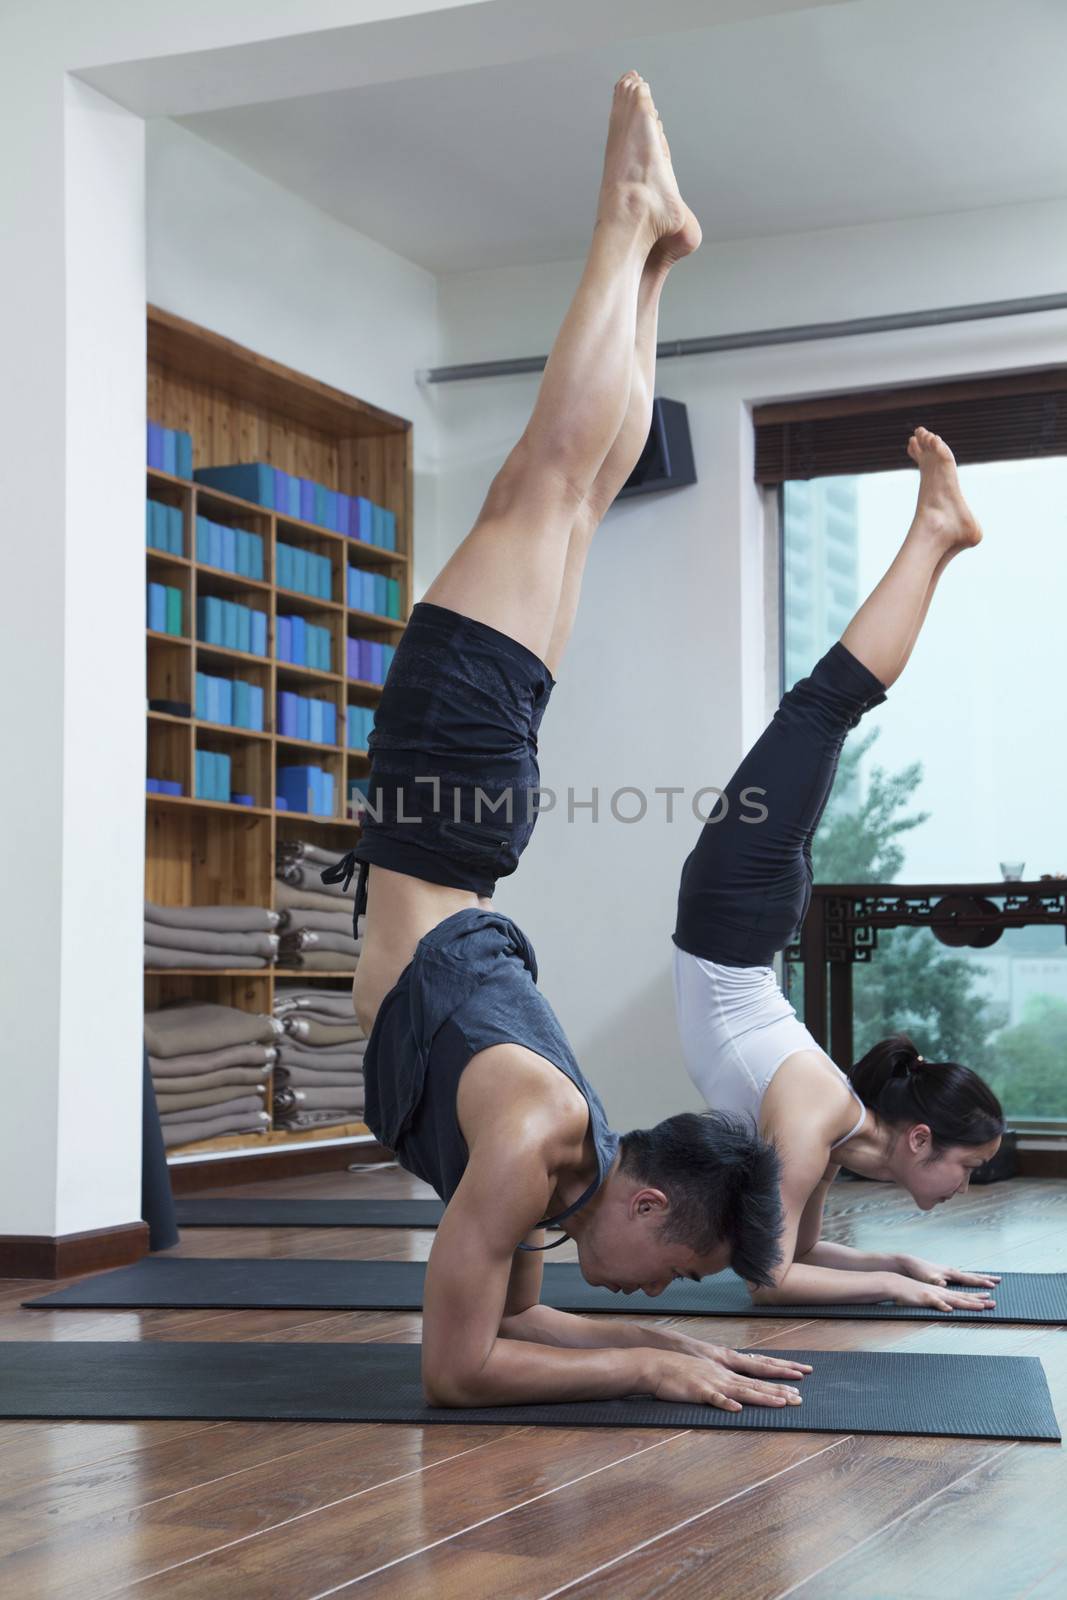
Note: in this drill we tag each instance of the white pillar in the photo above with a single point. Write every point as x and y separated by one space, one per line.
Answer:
72 319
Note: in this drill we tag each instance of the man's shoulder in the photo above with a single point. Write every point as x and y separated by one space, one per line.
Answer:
511 1083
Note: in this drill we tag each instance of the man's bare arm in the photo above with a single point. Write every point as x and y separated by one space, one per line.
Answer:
465 1361
474 1285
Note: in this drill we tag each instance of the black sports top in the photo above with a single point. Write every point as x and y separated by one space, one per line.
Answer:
471 984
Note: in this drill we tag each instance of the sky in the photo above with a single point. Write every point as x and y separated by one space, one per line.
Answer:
981 704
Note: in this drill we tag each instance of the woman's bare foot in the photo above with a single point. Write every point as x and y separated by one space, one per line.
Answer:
942 512
639 185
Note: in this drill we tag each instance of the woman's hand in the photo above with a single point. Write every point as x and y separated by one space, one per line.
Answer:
707 1380
907 1291
927 1272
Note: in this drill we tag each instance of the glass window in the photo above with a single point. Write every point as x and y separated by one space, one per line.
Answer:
963 772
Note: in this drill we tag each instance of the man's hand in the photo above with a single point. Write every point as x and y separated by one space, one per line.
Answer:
904 1291
772 1368
927 1272
706 1380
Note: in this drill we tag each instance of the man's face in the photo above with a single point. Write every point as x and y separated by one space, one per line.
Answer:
625 1250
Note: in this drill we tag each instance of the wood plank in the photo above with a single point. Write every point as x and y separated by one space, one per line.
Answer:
116 1529
758 1543
32 1452
1010 1510
183 355
374 1493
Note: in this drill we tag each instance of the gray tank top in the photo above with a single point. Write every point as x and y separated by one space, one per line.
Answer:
471 984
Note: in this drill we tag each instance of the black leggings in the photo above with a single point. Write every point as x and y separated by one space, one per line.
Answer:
745 889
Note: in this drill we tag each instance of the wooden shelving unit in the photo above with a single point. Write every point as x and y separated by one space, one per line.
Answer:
240 406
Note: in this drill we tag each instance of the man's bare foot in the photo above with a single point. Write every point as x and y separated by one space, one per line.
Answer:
674 246
942 511
639 183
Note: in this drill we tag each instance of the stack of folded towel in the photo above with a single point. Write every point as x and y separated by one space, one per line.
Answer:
210 1069
319 1076
210 936
316 933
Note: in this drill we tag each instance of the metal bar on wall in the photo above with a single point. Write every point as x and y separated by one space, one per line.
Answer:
802 333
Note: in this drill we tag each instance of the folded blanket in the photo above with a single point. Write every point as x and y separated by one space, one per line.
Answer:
343 1100
223 944
314 1078
287 898
319 921
323 1034
303 850
289 1045
234 1055
157 955
315 1119
308 875
246 1105
194 1132
202 1100
328 1019
188 1029
293 997
215 919
297 939
318 961
229 1077
324 1058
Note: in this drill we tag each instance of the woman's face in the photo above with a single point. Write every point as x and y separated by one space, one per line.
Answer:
933 1176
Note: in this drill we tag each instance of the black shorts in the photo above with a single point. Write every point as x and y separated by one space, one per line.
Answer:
454 780
746 886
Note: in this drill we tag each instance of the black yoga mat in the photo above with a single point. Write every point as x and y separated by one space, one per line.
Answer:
985 1397
244 1213
299 1284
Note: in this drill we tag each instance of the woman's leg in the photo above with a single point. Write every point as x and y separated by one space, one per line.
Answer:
509 571
883 632
745 887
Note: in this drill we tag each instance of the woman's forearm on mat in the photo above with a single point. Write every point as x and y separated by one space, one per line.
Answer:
843 1257
801 1284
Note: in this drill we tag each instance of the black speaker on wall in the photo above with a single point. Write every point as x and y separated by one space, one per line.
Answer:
666 462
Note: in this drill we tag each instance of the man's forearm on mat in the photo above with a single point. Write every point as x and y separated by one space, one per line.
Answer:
801 1284
520 1372
842 1256
545 1325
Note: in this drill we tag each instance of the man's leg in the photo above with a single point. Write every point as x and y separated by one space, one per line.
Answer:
883 632
630 440
509 571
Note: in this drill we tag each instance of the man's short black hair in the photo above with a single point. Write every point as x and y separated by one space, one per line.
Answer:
723 1183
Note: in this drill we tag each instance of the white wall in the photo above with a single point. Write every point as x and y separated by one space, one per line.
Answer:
72 298
71 420
233 251
666 680
101 958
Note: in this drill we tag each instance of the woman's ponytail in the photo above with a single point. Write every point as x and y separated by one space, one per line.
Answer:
903 1089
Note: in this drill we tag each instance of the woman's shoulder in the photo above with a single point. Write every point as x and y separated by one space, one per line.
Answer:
807 1095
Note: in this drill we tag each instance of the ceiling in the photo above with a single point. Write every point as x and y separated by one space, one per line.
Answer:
815 119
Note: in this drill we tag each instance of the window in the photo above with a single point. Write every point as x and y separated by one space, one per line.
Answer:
963 770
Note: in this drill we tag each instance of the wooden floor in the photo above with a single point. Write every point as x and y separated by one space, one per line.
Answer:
287 1511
